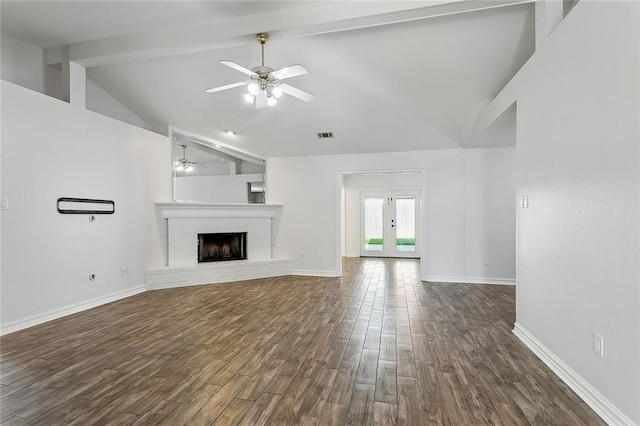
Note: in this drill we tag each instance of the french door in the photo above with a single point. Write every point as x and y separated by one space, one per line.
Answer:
389 224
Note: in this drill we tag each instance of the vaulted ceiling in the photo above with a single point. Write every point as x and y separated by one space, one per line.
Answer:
388 76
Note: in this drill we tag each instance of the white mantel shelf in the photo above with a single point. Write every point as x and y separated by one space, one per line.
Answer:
185 209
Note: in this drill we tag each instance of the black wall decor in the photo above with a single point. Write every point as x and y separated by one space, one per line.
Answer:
67 205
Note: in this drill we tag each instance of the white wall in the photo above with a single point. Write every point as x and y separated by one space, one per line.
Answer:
52 149
22 63
97 100
215 189
103 103
490 213
309 188
578 160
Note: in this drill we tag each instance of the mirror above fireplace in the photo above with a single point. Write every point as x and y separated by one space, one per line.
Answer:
205 170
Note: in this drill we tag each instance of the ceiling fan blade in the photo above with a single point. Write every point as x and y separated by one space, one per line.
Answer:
228 86
297 93
238 68
261 99
290 71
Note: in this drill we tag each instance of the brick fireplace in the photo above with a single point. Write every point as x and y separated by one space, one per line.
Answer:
187 221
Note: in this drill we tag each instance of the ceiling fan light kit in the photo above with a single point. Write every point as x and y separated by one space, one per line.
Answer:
183 164
265 86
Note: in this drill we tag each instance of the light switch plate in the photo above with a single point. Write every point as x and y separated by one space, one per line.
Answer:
598 345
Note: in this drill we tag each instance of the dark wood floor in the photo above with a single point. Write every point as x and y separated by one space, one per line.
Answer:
375 347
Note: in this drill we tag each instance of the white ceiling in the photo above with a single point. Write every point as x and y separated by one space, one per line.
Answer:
388 76
52 23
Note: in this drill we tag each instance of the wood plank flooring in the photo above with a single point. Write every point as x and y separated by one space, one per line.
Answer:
374 347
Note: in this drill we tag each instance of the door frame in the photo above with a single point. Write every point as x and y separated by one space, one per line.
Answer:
340 204
390 193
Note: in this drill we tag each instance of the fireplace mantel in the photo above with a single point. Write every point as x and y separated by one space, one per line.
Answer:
187 209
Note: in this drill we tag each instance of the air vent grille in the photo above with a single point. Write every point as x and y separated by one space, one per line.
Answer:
324 135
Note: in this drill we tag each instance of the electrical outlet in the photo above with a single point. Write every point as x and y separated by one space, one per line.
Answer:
4 204
525 201
300 255
123 270
598 345
485 260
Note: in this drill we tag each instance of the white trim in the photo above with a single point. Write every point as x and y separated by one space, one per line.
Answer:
190 209
52 314
594 399
351 254
315 273
470 280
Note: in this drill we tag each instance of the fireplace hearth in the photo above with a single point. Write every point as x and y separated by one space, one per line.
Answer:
222 246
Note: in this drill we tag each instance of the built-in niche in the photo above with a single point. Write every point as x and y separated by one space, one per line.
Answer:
203 170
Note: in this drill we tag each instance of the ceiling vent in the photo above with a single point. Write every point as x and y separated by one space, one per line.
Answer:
324 135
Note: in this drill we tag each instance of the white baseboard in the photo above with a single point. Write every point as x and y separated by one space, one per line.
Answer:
315 273
471 280
351 255
594 399
21 324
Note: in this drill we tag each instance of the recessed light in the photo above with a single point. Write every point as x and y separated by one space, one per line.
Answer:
230 132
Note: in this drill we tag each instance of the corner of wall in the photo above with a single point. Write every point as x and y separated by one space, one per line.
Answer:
594 399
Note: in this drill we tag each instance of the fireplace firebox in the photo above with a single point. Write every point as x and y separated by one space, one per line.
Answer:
222 246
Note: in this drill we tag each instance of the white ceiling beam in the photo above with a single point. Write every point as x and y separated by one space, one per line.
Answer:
549 14
494 108
316 19
433 10
77 85
55 55
73 81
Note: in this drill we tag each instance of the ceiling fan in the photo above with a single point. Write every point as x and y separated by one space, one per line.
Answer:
184 164
265 85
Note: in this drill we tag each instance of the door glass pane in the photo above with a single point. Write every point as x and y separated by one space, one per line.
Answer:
406 224
373 223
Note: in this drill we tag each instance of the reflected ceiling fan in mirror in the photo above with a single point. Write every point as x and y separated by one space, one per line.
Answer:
265 85
184 164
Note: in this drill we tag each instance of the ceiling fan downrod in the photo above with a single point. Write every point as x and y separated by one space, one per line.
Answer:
262 39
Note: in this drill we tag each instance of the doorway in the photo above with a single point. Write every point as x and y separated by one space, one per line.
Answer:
389 222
